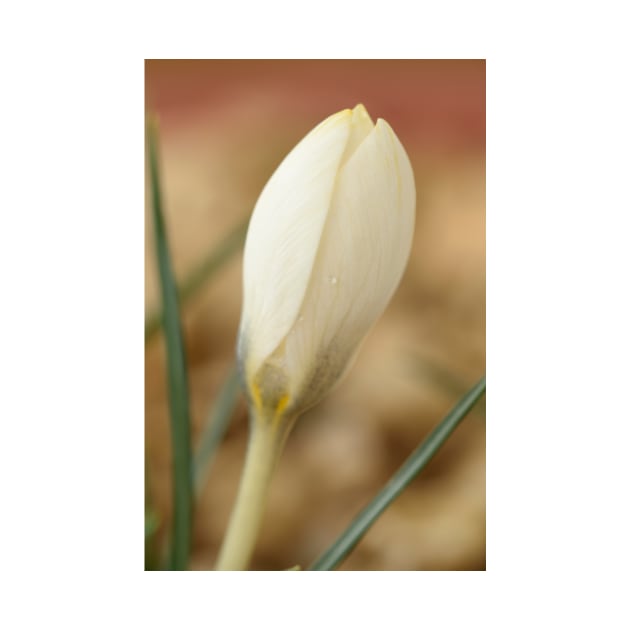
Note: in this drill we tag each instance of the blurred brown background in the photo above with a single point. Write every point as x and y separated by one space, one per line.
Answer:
225 126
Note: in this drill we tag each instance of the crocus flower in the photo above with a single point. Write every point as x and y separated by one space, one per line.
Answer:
326 247
327 244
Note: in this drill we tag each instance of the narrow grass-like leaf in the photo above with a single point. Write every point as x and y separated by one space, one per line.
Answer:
177 377
405 474
206 269
442 377
216 425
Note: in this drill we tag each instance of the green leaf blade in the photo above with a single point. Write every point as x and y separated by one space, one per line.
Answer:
177 374
414 464
213 262
216 425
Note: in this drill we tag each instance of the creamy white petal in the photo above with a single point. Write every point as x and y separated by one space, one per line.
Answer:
284 235
364 249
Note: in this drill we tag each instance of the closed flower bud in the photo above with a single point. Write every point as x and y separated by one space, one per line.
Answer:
327 244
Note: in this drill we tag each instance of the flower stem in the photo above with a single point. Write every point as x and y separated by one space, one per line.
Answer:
265 444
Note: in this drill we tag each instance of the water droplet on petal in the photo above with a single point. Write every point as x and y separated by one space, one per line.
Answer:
333 279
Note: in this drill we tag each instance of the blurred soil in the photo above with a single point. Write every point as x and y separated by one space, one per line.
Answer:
225 126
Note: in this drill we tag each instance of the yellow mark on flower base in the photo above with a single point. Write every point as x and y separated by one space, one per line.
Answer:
269 409
282 405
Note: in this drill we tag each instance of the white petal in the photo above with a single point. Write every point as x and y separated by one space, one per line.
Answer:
364 249
284 234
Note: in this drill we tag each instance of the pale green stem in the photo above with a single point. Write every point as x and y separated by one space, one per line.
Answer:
264 448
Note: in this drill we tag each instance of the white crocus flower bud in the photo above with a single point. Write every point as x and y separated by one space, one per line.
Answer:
327 245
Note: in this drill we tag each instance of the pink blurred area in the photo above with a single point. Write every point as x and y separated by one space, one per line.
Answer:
438 104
